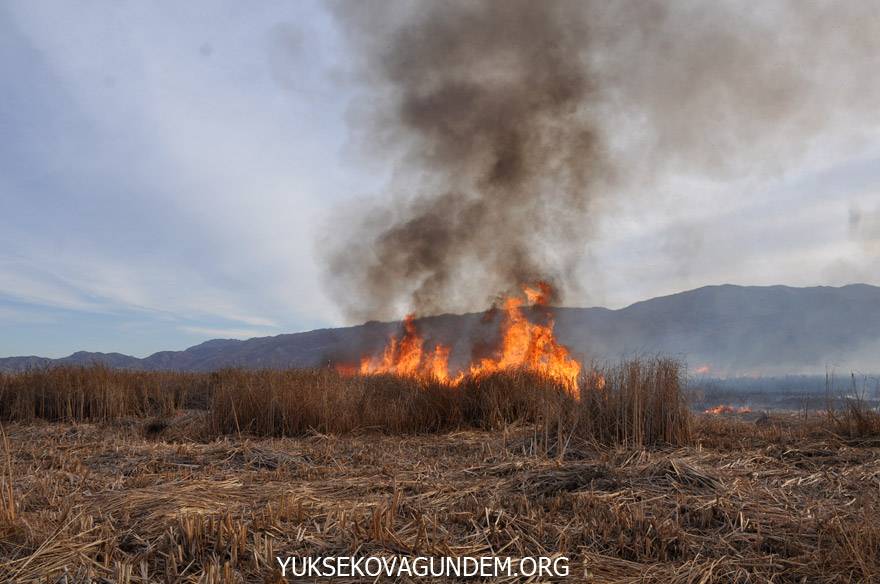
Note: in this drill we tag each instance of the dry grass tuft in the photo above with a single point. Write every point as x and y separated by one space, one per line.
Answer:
856 419
636 403
495 400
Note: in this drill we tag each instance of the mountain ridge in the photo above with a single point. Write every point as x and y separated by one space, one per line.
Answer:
731 329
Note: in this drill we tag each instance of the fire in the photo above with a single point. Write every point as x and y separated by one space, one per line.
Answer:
725 409
540 295
408 357
524 345
531 346
702 370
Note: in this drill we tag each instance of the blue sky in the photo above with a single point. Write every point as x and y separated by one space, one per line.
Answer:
166 170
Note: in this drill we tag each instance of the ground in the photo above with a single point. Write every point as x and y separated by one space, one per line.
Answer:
145 501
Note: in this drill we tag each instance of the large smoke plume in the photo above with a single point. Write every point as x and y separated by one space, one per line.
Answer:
510 125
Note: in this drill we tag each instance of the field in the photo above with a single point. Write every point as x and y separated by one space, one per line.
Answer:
135 477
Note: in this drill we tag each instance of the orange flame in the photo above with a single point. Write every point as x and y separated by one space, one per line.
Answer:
540 295
524 345
725 409
407 356
532 346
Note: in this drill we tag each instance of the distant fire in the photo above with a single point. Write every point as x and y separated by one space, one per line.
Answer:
524 345
725 409
702 370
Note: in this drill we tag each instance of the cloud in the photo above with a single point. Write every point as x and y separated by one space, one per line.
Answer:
154 189
21 316
24 283
154 176
225 333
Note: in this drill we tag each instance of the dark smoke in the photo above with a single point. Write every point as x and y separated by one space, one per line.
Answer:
510 124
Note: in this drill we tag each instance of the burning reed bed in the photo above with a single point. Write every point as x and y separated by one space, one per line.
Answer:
637 403
311 463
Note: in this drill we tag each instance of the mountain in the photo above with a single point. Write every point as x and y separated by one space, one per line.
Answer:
728 330
736 330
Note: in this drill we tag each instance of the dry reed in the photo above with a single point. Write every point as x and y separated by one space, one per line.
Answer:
637 403
297 402
855 418
96 393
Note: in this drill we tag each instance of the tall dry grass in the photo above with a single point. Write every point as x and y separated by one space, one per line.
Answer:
96 393
635 403
854 417
638 403
494 400
295 402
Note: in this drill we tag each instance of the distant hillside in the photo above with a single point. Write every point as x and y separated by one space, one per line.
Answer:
732 330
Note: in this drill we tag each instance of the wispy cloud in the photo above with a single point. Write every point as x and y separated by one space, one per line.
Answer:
20 316
171 173
225 333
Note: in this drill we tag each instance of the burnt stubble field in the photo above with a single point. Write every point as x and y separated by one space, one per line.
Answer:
113 476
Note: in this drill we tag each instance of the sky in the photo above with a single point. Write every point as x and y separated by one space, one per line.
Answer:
167 170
